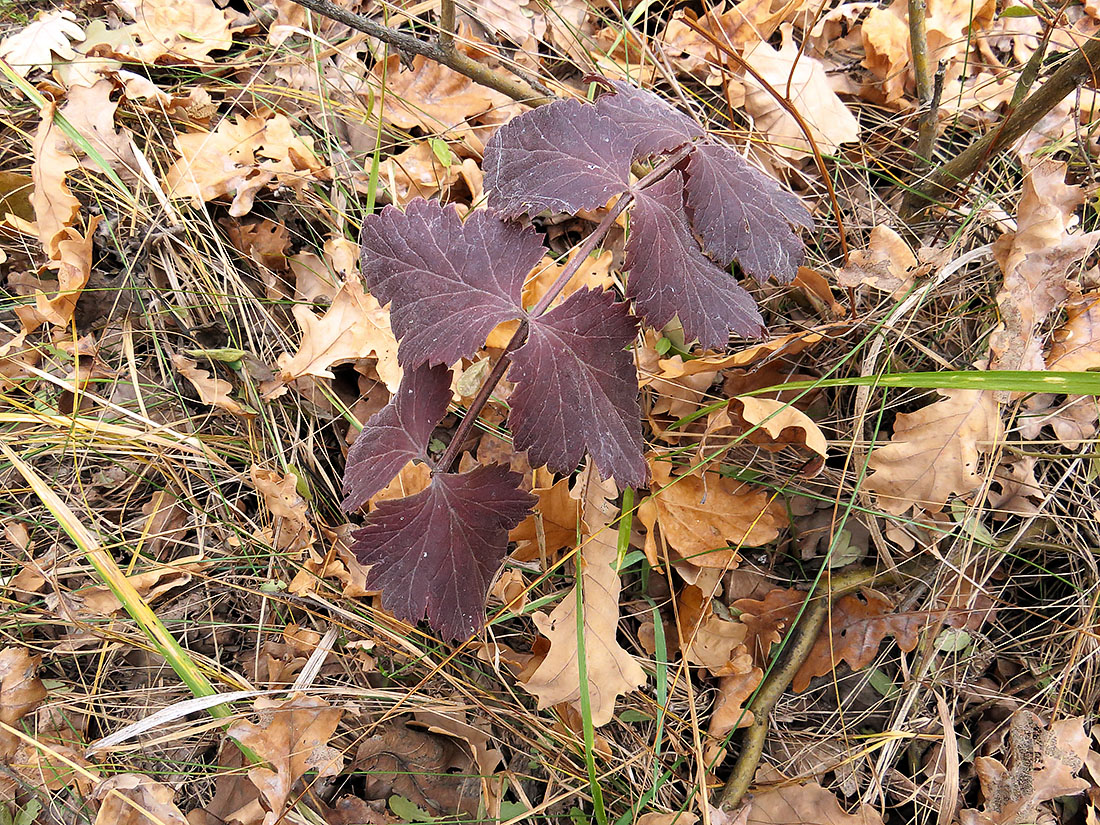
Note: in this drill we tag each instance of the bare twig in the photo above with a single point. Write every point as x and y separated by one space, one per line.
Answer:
918 42
524 90
1077 68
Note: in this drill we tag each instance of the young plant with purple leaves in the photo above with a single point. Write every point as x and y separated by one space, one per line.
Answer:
450 282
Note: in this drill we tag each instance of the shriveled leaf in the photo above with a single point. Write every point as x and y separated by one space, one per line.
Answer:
397 434
184 30
734 691
611 670
435 553
55 208
291 738
211 389
133 799
671 277
705 519
887 263
1076 344
21 691
34 46
292 528
767 619
741 214
576 389
708 639
934 452
770 424
653 126
563 157
448 283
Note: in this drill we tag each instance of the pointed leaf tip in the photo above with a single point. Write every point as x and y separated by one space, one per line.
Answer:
653 126
434 554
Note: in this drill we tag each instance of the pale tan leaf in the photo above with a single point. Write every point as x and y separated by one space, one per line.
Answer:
886 264
211 389
417 172
934 452
292 528
185 30
805 804
152 584
705 518
72 261
729 708
21 691
886 46
770 424
552 526
291 738
133 799
91 112
55 208
353 327
830 121
611 670
707 639
1076 346
34 46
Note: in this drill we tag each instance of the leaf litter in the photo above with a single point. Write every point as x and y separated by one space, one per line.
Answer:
233 344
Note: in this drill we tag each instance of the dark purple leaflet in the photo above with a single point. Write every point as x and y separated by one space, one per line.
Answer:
651 124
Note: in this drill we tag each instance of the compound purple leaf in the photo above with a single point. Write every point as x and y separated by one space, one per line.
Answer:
577 389
741 214
434 554
670 276
448 282
562 157
651 124
396 434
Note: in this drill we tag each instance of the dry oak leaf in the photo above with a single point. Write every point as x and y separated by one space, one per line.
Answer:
293 530
211 389
729 708
934 452
417 172
21 691
830 121
770 424
133 799
612 671
707 639
34 46
73 265
354 326
91 112
705 518
292 738
1076 346
886 46
1037 260
886 264
767 619
553 526
515 19
55 208
241 157
151 585
743 25
180 30
805 804
429 95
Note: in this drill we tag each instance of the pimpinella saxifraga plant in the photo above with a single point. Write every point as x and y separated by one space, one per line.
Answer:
449 282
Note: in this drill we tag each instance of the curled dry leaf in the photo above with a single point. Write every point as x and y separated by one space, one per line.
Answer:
734 691
211 389
150 584
705 517
934 452
133 799
886 264
72 261
21 691
291 738
290 511
354 326
612 671
770 424
1076 346
707 639
55 208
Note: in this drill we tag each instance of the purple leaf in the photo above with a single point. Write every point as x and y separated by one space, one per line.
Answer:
576 389
741 214
670 275
649 121
448 283
396 434
434 554
562 157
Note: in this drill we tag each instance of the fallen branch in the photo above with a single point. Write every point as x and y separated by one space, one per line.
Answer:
442 50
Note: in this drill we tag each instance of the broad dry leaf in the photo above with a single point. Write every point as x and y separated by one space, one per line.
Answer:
611 670
417 172
704 518
805 804
771 425
429 95
553 526
934 452
180 30
152 584
291 738
211 389
34 46
830 121
729 708
241 157
767 619
853 632
1037 260
707 639
91 112
1076 346
21 691
72 262
292 530
353 327
133 799
744 24
517 20
886 46
55 208
886 264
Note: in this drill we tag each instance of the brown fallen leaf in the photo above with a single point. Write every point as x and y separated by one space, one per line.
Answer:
729 708
886 264
353 327
1076 343
417 172
707 639
552 526
1037 260
180 30
35 45
292 738
804 804
133 799
704 518
55 208
611 670
72 261
211 389
886 46
767 619
934 452
152 584
771 425
830 121
21 691
292 529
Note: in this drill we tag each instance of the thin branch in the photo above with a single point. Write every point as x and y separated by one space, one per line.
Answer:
526 91
918 43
